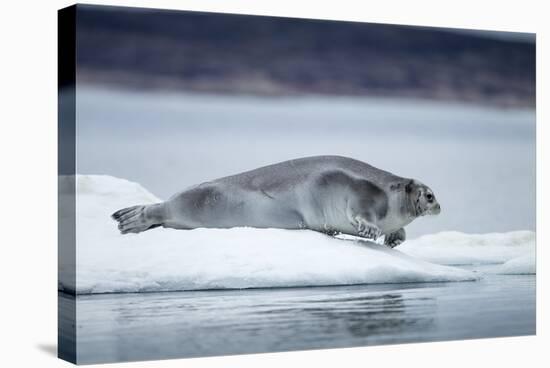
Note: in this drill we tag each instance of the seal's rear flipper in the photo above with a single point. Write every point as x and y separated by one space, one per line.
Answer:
136 219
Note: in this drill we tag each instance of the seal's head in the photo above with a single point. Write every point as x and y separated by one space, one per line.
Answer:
422 199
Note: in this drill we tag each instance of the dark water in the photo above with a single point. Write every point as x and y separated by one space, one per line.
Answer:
126 327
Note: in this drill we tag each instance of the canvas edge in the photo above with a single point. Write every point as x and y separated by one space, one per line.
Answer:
66 309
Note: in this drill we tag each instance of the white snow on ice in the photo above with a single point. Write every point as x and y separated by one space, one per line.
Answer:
523 265
168 260
455 248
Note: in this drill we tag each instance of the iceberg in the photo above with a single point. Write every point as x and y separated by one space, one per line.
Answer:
201 259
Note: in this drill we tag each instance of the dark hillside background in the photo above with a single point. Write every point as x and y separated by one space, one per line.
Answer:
224 53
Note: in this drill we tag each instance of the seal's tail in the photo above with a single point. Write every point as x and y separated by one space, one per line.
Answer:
135 219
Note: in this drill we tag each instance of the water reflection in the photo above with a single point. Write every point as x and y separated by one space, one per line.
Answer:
204 323
362 316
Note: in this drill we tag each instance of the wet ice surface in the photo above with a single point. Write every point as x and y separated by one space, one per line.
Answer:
146 326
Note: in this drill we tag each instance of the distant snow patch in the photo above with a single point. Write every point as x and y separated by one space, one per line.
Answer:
455 248
523 265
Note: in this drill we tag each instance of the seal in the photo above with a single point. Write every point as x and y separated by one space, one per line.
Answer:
329 194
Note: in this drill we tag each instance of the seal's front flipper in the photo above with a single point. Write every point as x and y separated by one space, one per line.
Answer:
136 219
394 239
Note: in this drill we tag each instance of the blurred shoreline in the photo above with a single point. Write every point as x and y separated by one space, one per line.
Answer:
176 91
262 88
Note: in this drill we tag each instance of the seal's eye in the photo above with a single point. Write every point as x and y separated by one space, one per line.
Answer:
430 197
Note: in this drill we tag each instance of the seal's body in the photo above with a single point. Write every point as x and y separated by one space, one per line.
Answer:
330 194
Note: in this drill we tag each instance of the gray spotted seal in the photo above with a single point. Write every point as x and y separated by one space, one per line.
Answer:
329 194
